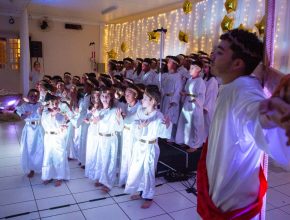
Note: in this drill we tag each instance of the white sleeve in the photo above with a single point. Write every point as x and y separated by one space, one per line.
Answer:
249 129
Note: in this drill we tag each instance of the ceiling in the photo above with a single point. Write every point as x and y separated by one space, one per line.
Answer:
89 11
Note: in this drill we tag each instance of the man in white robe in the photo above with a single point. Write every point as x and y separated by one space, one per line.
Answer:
231 182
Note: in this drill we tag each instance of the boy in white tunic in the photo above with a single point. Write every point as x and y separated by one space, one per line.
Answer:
55 159
128 72
172 86
109 122
128 139
231 183
32 134
150 125
148 76
190 130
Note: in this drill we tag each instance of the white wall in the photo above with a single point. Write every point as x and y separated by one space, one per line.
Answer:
65 50
9 80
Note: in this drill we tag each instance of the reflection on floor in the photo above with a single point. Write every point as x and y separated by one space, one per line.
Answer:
80 199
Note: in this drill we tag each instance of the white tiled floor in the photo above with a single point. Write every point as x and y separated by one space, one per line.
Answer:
79 199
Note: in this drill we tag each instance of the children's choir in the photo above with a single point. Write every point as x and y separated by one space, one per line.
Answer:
111 122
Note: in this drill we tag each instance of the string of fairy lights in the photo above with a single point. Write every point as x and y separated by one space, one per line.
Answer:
202 26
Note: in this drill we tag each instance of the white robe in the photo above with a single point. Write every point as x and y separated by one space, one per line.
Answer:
141 176
184 73
129 74
209 103
107 148
69 132
128 140
91 153
190 129
55 162
82 129
236 144
172 85
149 78
137 78
31 138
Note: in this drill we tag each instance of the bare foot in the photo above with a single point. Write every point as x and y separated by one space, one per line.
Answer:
191 150
31 174
146 204
58 183
105 189
45 182
98 184
135 197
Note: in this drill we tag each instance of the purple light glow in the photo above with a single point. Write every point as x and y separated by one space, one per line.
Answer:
11 102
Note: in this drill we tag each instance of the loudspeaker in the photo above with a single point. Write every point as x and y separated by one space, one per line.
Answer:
35 49
176 158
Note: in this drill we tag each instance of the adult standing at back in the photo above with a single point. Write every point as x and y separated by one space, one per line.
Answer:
35 75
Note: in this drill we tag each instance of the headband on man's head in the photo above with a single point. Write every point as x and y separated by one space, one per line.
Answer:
235 41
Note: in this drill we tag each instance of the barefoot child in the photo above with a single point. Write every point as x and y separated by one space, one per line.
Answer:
32 134
131 95
150 125
92 119
109 122
55 162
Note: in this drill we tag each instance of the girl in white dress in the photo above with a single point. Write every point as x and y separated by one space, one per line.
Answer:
92 120
149 126
109 122
32 134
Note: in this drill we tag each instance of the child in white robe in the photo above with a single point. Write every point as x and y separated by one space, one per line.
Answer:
149 126
55 160
109 122
82 127
190 130
128 139
32 134
92 134
210 98
172 86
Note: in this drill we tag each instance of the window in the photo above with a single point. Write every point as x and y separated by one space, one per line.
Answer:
9 54
14 53
3 52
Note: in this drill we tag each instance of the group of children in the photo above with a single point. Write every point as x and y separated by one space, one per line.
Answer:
111 122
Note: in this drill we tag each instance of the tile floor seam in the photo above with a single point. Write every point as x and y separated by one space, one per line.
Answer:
34 198
75 201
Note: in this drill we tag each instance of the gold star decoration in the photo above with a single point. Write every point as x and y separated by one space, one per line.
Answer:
227 23
187 6
124 47
112 54
231 5
183 37
242 27
261 26
153 36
